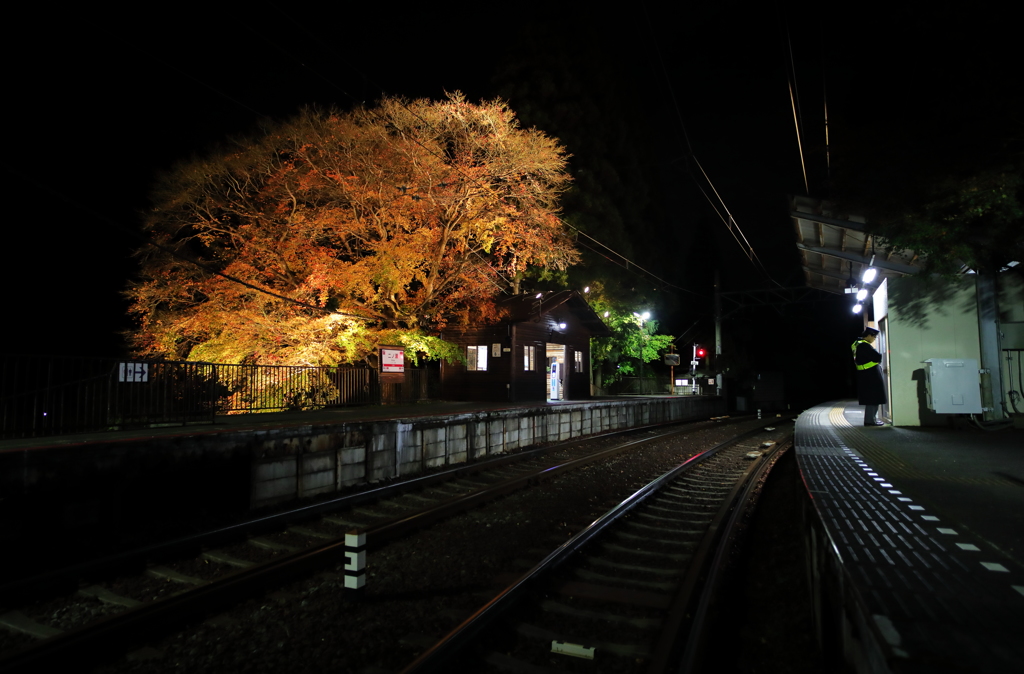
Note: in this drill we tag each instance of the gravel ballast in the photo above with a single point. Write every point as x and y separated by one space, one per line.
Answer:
418 588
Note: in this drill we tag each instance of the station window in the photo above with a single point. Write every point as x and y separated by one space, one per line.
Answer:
578 361
476 358
529 358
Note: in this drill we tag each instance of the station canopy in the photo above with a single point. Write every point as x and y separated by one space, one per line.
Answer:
835 248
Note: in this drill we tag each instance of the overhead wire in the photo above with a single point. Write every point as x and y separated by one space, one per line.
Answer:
730 222
824 99
794 99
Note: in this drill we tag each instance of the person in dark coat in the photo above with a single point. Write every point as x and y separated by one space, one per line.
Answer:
870 386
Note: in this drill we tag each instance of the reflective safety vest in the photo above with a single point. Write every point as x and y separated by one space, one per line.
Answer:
865 366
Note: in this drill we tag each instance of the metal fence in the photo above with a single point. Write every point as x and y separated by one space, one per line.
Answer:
659 385
53 395
266 388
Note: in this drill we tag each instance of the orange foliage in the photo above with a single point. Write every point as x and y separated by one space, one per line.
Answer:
410 215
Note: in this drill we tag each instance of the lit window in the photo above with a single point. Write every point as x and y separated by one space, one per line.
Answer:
529 358
476 358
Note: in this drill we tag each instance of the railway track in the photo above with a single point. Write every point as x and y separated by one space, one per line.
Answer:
238 562
629 593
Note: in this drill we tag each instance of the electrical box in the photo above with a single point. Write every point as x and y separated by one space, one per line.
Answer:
953 385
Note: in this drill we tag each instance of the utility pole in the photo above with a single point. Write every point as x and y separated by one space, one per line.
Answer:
672 370
720 376
718 318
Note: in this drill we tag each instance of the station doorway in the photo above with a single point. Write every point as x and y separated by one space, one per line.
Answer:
555 355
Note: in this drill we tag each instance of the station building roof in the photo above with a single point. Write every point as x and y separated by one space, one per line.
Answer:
531 307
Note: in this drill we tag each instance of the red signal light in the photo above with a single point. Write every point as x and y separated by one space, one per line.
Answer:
701 352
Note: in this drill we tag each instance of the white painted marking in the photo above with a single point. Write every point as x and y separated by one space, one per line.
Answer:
917 507
895 491
886 485
873 474
948 532
968 546
878 479
1019 588
905 498
992 566
929 518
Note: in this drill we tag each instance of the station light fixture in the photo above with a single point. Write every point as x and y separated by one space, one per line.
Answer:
857 308
862 294
869 275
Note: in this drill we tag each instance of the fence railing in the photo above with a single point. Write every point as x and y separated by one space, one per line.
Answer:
264 388
659 385
53 395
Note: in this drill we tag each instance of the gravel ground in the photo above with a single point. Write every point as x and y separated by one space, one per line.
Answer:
417 589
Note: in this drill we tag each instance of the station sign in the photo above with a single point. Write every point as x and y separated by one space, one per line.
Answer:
392 364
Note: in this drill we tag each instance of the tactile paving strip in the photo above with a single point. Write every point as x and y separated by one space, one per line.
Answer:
933 592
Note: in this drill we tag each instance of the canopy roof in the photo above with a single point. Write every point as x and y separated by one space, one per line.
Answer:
835 248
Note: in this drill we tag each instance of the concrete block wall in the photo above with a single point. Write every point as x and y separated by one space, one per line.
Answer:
227 470
403 447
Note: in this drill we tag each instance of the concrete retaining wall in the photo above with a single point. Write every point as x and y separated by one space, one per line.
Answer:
87 493
370 452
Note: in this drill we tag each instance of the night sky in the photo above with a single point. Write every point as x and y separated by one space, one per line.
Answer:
99 103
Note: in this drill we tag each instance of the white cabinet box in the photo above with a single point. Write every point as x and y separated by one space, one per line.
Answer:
953 385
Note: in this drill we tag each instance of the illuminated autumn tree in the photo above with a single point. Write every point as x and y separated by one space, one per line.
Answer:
379 225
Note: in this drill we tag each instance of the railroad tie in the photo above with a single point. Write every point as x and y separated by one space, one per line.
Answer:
310 533
19 622
222 557
108 597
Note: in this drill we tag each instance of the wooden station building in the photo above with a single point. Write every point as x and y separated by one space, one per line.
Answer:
541 351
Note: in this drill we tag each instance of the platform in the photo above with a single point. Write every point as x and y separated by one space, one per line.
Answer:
920 542
87 488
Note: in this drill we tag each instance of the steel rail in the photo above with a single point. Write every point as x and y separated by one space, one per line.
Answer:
58 581
689 607
91 640
437 657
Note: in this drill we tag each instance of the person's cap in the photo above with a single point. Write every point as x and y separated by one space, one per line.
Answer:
869 332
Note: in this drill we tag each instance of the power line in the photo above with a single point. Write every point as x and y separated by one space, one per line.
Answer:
794 100
730 223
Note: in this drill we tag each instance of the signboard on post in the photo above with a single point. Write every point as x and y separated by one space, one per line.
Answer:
392 364
133 372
